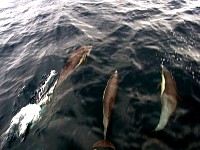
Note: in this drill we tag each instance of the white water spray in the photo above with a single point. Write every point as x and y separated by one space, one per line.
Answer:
30 113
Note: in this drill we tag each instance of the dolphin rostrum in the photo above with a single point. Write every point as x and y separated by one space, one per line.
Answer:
74 60
109 97
169 97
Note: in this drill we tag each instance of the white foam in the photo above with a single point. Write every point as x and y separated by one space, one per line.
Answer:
19 123
43 90
31 112
28 114
47 97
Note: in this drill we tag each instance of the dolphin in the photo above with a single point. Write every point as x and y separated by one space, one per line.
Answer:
74 60
109 97
169 97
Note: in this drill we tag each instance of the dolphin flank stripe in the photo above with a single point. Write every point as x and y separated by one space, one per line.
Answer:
169 98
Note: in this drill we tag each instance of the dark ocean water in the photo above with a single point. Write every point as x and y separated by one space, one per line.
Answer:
134 37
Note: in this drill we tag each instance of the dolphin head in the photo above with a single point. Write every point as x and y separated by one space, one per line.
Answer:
86 51
82 53
74 60
165 71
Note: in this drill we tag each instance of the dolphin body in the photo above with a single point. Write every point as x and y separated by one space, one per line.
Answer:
109 97
74 60
169 97
26 117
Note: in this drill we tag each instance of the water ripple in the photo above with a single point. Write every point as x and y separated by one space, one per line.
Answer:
134 37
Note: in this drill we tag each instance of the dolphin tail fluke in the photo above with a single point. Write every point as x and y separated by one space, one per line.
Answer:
103 144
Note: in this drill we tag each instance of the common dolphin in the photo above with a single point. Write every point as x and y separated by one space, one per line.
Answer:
74 60
109 97
169 97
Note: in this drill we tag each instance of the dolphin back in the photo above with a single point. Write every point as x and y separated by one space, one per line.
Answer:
109 97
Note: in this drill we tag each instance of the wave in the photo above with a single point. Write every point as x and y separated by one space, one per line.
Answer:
134 37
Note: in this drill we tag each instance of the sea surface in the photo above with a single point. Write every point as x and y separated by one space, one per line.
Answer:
134 37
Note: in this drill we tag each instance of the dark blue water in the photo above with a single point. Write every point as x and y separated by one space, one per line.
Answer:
134 37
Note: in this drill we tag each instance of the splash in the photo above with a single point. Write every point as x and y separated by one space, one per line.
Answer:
43 89
31 113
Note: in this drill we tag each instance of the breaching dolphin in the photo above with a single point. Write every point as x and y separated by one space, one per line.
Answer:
169 97
74 60
109 97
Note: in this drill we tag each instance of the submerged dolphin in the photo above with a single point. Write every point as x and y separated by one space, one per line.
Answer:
109 97
74 60
169 97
